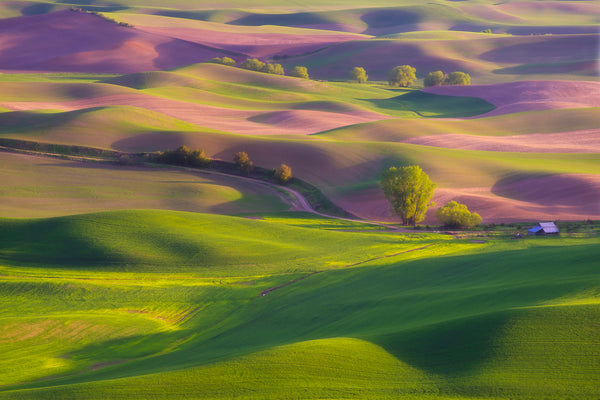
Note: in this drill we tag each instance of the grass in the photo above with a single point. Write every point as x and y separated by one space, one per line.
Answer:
502 319
182 241
43 187
160 301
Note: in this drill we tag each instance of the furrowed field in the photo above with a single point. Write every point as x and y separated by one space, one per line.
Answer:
132 270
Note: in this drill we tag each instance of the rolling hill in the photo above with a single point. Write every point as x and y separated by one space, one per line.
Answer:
456 319
122 277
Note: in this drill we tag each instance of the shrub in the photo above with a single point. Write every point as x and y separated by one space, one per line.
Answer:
434 79
299 72
282 174
198 158
457 215
243 162
224 61
458 78
275 69
403 76
253 64
183 156
359 74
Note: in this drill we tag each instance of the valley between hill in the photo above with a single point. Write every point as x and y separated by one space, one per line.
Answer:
122 277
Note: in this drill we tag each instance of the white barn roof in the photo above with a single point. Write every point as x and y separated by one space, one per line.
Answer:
549 227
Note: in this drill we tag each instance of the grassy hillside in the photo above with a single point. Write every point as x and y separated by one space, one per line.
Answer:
171 242
43 187
458 319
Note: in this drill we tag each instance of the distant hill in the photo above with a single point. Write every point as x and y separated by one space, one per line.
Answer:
83 42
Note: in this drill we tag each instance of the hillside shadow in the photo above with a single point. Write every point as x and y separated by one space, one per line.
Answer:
304 18
151 141
433 105
386 18
451 348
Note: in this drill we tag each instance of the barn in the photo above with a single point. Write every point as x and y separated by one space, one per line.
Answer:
544 228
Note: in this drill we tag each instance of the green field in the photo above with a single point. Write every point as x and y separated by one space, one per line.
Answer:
124 277
91 311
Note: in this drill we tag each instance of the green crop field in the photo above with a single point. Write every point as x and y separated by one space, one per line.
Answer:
91 311
132 270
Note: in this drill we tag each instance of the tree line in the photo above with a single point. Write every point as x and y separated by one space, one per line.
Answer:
405 75
402 75
197 158
254 64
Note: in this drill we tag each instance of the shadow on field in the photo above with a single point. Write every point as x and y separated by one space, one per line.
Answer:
451 348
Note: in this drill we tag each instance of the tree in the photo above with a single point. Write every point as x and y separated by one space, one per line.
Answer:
243 162
253 64
458 78
300 72
198 158
183 156
224 61
434 79
283 174
178 156
359 74
403 76
457 215
275 69
409 191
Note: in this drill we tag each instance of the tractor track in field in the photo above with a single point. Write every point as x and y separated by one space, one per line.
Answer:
266 292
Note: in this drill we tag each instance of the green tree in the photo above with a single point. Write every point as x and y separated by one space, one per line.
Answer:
275 69
253 64
225 61
458 78
178 156
434 79
359 74
282 174
243 162
409 191
403 76
299 72
198 158
457 215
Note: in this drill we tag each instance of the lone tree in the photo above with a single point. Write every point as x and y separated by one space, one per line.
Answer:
436 78
243 162
457 215
299 72
409 191
403 76
359 74
253 64
283 174
458 78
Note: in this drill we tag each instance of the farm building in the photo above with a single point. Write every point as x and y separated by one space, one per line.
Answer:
544 228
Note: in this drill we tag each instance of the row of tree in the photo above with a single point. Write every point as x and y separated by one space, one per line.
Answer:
254 64
409 191
198 159
402 75
281 174
405 75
